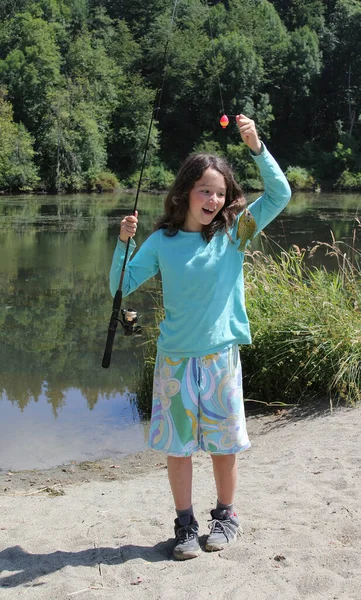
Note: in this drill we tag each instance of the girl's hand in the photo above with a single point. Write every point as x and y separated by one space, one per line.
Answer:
249 135
128 227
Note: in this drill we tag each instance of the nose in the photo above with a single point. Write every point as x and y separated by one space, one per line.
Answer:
213 198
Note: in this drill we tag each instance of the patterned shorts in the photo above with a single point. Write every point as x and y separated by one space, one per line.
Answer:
198 403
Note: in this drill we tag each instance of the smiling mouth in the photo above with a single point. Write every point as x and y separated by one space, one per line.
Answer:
209 211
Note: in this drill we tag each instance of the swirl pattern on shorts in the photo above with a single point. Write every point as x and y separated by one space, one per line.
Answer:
198 403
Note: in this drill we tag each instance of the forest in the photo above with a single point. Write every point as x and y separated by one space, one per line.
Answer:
78 82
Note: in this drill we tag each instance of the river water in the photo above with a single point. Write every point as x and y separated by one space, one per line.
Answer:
57 404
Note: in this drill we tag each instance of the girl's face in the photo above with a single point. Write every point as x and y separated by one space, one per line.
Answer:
206 199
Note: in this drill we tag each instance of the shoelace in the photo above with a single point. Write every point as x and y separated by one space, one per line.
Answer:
187 532
217 526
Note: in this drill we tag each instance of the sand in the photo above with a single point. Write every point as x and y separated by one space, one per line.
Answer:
104 530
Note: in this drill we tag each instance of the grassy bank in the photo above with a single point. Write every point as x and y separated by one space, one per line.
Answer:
306 325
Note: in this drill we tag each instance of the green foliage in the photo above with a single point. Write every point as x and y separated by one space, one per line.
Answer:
104 182
118 41
73 143
243 165
17 169
155 178
138 14
144 383
95 75
298 13
208 145
306 325
348 181
346 154
9 7
31 67
299 178
294 67
260 24
304 61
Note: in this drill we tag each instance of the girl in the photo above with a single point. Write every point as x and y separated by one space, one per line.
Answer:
198 247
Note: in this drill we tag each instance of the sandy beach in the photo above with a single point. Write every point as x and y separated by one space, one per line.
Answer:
104 530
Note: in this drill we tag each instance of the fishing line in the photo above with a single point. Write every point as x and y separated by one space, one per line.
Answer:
215 58
129 317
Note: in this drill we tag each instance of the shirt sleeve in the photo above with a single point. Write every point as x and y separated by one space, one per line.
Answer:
277 192
143 266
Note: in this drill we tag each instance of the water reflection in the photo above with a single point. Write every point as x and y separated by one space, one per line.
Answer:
55 306
312 217
73 212
56 402
34 439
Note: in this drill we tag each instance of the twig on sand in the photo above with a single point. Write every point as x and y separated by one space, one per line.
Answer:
50 490
91 587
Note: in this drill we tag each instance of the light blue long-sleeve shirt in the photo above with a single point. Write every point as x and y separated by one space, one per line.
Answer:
203 286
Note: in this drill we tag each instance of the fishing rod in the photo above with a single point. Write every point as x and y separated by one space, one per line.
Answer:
129 319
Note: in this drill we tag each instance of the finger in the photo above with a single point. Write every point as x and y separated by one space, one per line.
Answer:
131 219
248 133
242 118
129 227
247 129
248 125
244 122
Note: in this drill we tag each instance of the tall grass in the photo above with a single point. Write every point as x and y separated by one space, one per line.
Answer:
306 325
144 383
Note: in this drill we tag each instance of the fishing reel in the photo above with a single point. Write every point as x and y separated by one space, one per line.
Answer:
129 320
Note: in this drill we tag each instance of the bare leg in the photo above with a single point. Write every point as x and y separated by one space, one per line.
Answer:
180 479
225 524
225 475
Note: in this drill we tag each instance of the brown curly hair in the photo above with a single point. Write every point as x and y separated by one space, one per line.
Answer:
176 203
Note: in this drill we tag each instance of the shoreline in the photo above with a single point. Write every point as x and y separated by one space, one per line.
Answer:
104 530
122 466
53 480
125 466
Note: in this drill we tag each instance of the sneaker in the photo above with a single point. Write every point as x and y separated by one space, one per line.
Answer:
224 528
186 538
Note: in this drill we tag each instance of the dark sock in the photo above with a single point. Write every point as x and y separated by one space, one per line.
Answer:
229 507
185 516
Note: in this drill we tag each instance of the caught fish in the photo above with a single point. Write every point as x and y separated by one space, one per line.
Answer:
246 229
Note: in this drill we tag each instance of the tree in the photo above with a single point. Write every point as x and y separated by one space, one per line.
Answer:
294 110
31 67
301 13
117 39
343 62
17 169
73 144
138 14
130 125
9 7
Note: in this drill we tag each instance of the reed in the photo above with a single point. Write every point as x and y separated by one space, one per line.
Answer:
306 325
144 381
